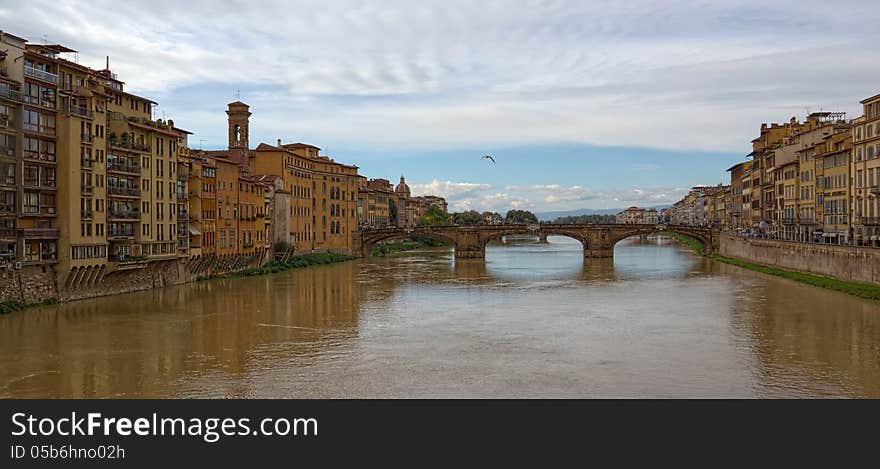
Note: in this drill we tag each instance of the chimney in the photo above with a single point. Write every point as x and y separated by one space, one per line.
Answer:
170 123
108 63
279 143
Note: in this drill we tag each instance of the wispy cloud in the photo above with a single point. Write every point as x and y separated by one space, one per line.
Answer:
676 75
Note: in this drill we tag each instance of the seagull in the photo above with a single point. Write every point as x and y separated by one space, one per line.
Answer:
489 157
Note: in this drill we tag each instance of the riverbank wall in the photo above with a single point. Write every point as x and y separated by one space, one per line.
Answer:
846 263
35 284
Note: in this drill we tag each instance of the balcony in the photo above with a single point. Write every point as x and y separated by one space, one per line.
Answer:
87 163
127 145
39 156
85 138
7 209
789 220
41 184
87 190
182 195
182 215
41 74
122 166
38 233
7 234
120 234
869 220
122 191
40 129
86 214
79 111
124 214
11 94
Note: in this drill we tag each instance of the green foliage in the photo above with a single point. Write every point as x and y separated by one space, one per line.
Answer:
7 307
471 217
581 219
692 243
413 244
522 217
295 262
434 216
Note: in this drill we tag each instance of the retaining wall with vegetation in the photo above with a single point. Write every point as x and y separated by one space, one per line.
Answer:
846 263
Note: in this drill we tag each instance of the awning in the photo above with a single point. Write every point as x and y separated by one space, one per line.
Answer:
193 231
873 238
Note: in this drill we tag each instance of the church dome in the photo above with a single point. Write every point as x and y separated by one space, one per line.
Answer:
402 187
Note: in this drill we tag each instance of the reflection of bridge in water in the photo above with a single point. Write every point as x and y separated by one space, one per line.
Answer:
470 241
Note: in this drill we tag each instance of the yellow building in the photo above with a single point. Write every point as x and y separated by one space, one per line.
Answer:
833 156
865 170
376 206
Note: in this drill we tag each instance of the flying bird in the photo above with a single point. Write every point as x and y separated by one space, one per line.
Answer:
488 157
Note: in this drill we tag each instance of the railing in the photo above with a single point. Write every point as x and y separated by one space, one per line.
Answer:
123 167
40 74
9 93
85 138
31 127
6 208
42 210
182 195
124 191
7 233
86 214
7 151
87 190
39 184
86 163
7 180
182 215
124 258
130 146
869 220
120 234
80 111
39 156
124 214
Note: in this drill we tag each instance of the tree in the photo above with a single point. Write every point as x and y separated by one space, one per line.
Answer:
434 216
471 217
521 217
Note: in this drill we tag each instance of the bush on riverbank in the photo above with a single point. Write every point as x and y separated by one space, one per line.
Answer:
862 290
295 262
692 243
413 244
7 307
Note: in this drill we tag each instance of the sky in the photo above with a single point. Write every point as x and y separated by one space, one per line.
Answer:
583 104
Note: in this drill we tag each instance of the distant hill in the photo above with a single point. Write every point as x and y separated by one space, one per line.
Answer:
550 216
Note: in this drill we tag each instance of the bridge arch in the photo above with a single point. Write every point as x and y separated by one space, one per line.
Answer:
703 235
369 242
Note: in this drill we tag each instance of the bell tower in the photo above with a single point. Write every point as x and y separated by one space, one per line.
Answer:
238 116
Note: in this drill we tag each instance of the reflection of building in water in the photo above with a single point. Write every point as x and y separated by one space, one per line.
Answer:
151 343
825 339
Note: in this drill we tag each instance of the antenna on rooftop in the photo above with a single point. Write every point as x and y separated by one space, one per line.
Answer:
45 39
201 141
238 95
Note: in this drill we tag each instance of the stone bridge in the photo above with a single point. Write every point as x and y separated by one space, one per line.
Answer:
470 241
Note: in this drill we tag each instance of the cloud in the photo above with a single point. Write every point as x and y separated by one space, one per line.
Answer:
672 75
449 189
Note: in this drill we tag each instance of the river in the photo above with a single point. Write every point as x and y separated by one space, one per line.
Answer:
532 321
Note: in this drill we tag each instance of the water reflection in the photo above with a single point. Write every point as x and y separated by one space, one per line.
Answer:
534 320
